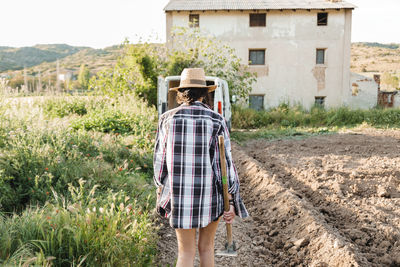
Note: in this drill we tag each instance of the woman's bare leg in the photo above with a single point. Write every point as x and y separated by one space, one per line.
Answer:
206 244
186 247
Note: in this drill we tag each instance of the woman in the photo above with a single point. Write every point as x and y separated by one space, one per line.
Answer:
187 170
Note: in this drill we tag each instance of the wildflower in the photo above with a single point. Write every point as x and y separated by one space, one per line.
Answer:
94 209
88 154
120 168
46 169
101 210
131 160
48 217
57 211
71 208
127 147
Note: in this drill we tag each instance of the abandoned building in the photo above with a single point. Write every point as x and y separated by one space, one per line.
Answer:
299 49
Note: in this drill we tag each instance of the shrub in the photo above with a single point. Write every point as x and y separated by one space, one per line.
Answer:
286 116
35 158
91 231
61 107
112 121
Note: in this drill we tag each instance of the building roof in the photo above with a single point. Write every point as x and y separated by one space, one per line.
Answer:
196 5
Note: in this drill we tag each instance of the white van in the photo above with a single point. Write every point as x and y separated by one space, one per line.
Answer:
218 100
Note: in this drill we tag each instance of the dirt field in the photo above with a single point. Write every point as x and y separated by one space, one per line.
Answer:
329 200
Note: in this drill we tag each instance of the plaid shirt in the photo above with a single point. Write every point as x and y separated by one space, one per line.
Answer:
187 167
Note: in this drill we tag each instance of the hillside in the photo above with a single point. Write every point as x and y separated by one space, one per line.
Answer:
375 57
16 58
95 60
366 58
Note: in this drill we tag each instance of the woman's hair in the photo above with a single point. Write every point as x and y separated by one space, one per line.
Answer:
189 95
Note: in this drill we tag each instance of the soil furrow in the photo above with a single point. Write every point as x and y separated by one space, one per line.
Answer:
329 200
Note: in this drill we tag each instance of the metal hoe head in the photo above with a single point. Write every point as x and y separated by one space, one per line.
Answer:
230 250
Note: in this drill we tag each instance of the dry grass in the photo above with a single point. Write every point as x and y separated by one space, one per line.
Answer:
374 59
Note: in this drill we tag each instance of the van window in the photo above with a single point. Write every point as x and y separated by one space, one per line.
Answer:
172 96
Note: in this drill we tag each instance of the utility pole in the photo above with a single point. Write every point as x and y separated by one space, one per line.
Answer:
58 74
39 87
25 90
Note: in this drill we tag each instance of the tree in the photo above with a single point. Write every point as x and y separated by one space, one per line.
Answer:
389 81
84 76
140 65
193 48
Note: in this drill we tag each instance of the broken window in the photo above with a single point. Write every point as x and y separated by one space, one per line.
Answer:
194 20
256 102
257 20
320 56
322 19
320 101
257 57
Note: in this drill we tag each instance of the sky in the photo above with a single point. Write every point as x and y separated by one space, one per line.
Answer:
102 23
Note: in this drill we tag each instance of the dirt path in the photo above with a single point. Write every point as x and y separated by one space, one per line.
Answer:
330 200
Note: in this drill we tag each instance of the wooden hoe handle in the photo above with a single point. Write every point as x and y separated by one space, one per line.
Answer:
225 186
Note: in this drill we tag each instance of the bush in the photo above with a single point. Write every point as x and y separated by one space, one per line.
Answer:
90 231
35 158
61 107
286 116
111 121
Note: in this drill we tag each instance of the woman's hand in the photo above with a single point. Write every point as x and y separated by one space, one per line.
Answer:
229 215
159 190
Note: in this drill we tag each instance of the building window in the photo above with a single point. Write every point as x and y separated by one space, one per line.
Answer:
257 57
320 56
322 19
194 20
256 102
320 101
257 20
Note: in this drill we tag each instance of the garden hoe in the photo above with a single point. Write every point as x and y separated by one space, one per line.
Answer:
230 246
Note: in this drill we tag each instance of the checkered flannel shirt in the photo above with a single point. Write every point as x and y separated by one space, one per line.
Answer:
187 167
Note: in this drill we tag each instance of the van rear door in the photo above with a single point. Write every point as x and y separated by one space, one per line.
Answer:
161 95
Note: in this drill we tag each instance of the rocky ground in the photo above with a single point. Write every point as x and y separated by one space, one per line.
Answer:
329 200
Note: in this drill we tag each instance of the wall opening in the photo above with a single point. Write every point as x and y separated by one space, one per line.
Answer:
320 56
257 57
258 20
256 102
320 101
194 20
322 19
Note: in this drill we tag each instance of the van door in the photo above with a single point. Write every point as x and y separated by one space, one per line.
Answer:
161 95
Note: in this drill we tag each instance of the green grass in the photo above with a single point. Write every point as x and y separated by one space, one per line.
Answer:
285 116
273 133
110 230
76 196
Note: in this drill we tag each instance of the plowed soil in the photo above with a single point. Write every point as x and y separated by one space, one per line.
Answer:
329 200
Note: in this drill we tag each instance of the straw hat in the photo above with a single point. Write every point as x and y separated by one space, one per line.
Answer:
193 78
